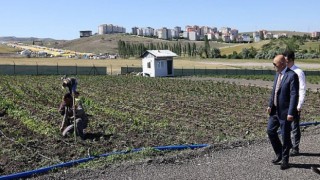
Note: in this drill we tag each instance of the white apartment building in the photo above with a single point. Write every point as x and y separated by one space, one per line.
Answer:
163 33
268 35
217 35
185 35
140 32
193 36
315 34
256 36
211 36
148 31
134 30
246 38
110 28
174 33
225 30
226 37
178 29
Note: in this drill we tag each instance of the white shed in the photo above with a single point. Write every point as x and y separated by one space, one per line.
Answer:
158 63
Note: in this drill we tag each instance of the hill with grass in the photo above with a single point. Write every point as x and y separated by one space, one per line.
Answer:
24 39
289 33
108 43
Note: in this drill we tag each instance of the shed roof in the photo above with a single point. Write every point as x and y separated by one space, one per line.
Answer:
160 53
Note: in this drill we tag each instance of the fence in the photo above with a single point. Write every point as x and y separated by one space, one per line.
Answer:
92 70
203 72
51 70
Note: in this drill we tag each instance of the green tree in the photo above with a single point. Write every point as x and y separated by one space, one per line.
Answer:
291 44
194 49
189 51
253 52
245 53
215 53
206 47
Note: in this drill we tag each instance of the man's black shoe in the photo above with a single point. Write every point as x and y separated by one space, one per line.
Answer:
276 160
315 169
284 165
294 152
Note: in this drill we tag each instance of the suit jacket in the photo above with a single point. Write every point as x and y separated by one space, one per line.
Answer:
287 96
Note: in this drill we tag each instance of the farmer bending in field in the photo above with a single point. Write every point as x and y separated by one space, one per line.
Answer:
70 83
66 110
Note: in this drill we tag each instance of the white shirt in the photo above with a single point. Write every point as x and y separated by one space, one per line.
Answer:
302 84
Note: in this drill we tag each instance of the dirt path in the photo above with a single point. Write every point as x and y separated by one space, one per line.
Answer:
234 162
304 66
259 83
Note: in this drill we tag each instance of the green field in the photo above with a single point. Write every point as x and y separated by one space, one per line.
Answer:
313 45
128 112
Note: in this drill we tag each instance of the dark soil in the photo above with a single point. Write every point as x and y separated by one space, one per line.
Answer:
124 118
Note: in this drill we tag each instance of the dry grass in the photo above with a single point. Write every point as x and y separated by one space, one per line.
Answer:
238 47
6 49
113 65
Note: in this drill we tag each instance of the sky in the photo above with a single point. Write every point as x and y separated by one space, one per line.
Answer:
63 19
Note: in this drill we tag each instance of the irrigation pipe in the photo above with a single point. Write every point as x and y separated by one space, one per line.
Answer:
75 162
305 124
309 123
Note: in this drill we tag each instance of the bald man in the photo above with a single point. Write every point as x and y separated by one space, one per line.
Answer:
282 110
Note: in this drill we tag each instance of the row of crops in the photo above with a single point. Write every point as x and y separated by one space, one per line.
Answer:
128 112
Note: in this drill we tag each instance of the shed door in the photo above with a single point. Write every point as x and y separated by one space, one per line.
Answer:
169 67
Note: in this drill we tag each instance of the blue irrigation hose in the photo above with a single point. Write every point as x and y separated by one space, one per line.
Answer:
305 124
74 162
309 123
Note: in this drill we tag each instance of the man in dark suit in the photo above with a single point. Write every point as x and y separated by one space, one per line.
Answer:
282 110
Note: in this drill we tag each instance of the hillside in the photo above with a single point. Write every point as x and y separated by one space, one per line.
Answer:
25 39
108 43
289 33
238 47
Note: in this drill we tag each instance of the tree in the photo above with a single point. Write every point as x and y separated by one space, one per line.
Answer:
253 52
184 50
245 53
189 49
206 47
179 49
194 49
291 44
121 48
235 55
215 53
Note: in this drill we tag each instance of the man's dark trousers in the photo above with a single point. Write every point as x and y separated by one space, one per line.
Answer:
281 149
296 134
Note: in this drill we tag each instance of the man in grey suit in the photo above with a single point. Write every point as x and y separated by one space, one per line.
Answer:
282 110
